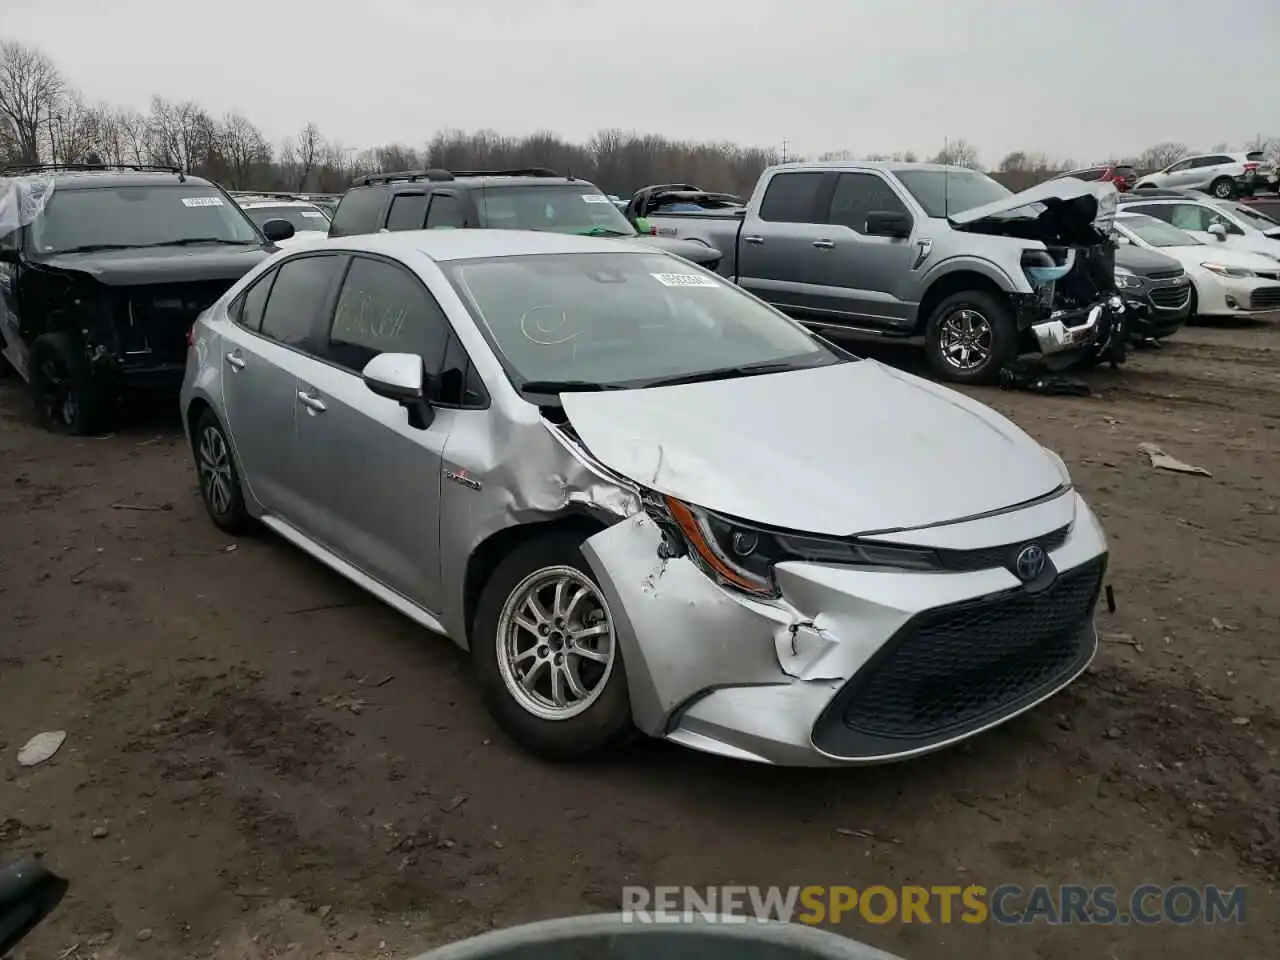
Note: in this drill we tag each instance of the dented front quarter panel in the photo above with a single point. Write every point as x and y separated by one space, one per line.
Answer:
509 471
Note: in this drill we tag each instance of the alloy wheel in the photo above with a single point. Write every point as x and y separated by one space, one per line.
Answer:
965 339
556 643
214 464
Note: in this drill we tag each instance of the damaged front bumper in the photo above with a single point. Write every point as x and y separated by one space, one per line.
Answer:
1072 329
854 665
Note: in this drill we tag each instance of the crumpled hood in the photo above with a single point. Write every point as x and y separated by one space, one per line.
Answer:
1082 201
840 450
127 268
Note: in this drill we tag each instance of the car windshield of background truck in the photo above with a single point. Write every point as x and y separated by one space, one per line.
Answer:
946 192
569 208
302 218
108 218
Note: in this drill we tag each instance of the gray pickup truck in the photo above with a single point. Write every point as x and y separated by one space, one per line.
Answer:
915 250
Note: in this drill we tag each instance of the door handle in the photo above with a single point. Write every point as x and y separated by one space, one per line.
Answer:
754 239
824 244
236 361
311 402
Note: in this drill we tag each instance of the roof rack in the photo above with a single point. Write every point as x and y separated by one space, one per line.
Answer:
27 168
438 175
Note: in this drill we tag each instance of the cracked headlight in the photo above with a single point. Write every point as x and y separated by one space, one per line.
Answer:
741 555
1127 279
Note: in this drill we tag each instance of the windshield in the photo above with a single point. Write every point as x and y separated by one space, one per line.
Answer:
567 208
111 217
944 192
1157 233
302 218
1127 172
623 319
1257 219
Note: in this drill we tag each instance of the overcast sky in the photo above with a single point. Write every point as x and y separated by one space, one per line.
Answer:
1087 79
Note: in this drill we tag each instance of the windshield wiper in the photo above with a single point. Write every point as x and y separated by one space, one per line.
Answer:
91 248
604 232
726 373
565 386
187 241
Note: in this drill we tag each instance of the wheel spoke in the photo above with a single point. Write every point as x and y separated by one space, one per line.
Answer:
589 653
557 685
575 683
530 678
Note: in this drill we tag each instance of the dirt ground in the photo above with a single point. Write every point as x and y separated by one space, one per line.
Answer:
263 762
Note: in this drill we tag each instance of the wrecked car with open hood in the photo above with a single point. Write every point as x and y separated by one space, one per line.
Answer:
917 250
642 498
103 277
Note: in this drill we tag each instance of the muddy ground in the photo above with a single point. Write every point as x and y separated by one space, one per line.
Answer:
263 762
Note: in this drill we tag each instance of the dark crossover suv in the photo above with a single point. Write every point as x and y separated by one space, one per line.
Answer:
99 291
532 198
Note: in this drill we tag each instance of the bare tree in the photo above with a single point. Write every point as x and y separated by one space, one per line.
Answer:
176 132
243 148
308 148
958 153
1015 162
30 85
77 130
1160 155
134 133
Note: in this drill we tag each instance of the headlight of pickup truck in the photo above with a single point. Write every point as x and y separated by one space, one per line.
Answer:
740 555
1127 279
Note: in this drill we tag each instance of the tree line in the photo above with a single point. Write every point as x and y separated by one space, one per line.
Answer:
43 119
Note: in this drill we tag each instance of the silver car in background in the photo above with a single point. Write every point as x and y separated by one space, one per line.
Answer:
642 498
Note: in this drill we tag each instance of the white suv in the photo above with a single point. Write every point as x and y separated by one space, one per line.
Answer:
1225 175
309 221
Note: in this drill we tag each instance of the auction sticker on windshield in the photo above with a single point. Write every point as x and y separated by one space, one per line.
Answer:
684 280
202 201
595 198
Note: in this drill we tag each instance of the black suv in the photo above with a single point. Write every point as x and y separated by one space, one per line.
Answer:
525 199
99 291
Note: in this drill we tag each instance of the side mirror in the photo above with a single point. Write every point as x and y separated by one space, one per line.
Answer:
400 377
277 230
1217 231
886 223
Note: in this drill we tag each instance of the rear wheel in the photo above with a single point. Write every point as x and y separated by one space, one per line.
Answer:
546 653
970 337
68 396
1223 188
219 480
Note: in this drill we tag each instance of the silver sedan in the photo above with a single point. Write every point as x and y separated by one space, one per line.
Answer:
643 499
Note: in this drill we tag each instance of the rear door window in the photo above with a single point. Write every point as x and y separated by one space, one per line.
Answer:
359 212
298 299
407 211
445 211
791 198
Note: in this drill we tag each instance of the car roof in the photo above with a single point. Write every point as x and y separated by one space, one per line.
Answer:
891 166
484 183
446 245
93 179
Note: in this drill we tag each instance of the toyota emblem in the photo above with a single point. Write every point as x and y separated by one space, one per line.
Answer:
1029 563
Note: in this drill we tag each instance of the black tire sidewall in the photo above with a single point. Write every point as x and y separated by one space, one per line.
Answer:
236 519
606 723
1004 337
95 406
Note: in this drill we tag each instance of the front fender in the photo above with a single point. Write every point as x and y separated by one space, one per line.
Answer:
979 265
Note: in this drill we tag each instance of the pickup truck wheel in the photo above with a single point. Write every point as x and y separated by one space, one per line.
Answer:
970 337
69 397
546 654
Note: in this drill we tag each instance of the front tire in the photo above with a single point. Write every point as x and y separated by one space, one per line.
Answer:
1223 189
970 337
219 479
545 651
69 397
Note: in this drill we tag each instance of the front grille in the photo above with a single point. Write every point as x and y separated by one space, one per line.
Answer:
1268 298
1171 298
1164 275
155 319
989 558
962 665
